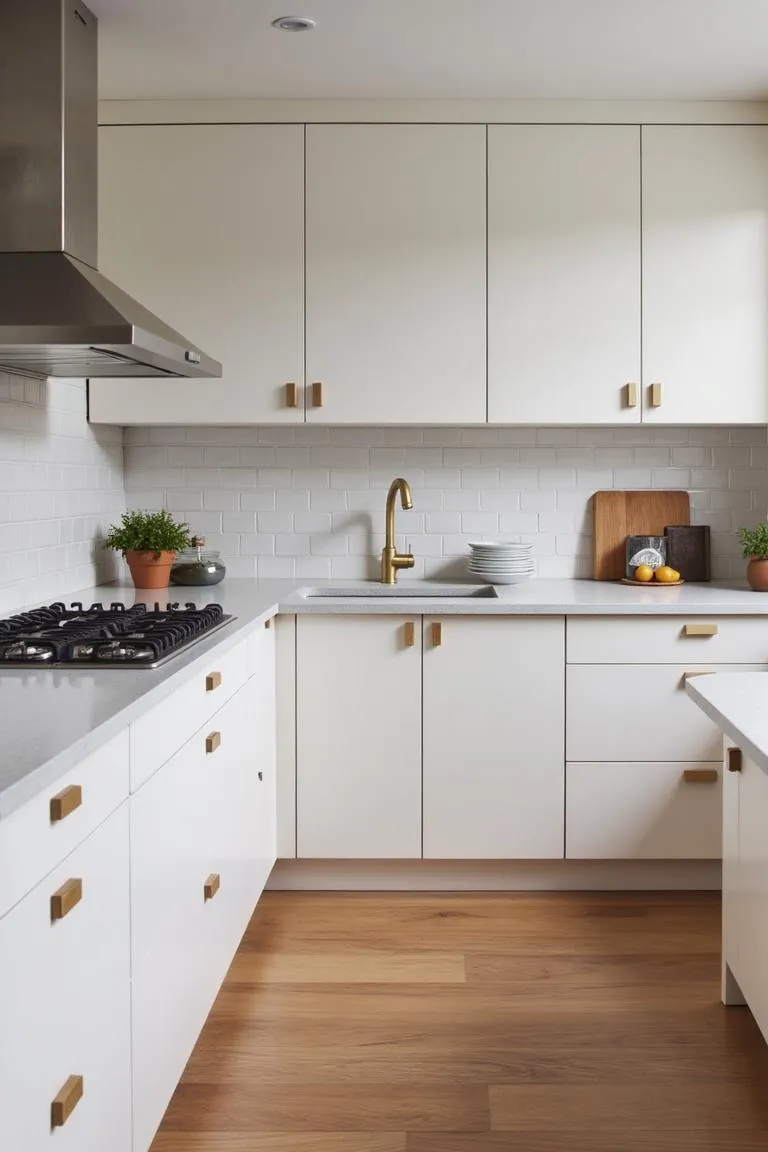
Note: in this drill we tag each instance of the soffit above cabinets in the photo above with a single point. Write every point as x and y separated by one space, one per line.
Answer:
437 49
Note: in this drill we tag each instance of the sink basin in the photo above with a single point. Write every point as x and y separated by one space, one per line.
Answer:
406 590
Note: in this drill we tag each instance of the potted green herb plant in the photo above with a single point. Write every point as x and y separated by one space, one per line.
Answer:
149 541
755 544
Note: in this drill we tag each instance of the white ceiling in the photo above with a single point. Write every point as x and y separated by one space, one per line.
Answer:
492 49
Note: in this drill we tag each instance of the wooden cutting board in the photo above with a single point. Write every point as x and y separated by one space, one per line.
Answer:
622 514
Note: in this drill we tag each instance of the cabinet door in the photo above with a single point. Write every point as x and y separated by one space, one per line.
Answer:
705 273
204 225
65 1004
494 727
750 921
563 274
396 306
358 717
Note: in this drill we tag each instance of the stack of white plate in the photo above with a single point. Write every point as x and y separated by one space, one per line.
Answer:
500 563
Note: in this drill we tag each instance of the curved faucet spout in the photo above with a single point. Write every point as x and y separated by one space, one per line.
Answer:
391 559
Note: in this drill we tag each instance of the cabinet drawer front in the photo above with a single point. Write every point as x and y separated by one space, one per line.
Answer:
643 811
633 712
667 639
65 1005
36 837
159 734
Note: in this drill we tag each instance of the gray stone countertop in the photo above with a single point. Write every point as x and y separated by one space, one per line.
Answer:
52 719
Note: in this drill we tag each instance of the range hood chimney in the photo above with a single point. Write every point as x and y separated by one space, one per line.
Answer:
58 315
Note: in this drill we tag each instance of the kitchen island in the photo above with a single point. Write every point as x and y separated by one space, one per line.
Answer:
738 703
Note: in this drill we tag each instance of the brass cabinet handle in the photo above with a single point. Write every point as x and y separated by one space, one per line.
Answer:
212 741
437 634
64 803
211 886
65 899
735 760
292 395
66 1101
212 681
410 634
700 629
260 775
700 775
656 395
267 623
631 396
317 394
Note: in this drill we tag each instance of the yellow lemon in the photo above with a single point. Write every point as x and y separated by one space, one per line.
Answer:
667 575
644 572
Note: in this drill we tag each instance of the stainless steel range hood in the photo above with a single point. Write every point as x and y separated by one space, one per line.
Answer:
58 315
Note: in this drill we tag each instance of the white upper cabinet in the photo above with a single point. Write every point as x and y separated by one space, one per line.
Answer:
563 274
203 224
705 274
396 273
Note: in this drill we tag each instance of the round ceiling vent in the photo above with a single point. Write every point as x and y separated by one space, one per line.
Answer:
293 24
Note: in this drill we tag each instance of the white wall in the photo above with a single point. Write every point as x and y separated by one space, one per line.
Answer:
309 502
61 484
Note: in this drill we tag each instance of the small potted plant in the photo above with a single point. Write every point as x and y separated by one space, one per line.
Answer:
755 544
149 541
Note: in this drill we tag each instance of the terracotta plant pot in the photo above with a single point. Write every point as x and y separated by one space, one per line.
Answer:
150 569
757 574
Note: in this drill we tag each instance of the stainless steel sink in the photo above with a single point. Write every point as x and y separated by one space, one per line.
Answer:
407 590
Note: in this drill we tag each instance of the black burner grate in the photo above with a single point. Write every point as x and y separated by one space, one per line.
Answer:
105 636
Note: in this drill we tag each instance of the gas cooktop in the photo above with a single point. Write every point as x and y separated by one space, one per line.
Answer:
105 637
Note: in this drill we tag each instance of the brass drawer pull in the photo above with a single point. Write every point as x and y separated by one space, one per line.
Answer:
631 396
212 681
410 634
211 886
317 394
700 775
700 629
437 634
656 395
291 395
735 760
66 1101
66 802
212 741
268 623
65 899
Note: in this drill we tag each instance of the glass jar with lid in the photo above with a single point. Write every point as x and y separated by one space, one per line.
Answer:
198 566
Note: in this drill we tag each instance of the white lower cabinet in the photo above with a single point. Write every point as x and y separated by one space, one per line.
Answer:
202 846
358 736
745 885
643 811
494 715
65 1004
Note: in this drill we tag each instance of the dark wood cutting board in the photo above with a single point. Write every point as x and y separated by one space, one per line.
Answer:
621 514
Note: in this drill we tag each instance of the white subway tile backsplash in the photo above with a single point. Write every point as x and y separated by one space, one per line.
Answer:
320 498
61 486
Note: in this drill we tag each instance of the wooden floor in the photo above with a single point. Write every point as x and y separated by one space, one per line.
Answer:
472 1023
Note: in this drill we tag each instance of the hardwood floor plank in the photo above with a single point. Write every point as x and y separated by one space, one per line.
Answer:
475 1061
371 967
571 1022
693 1140
329 1107
629 1108
280 1142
